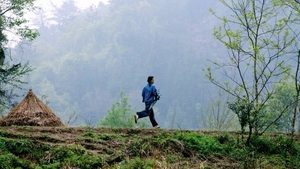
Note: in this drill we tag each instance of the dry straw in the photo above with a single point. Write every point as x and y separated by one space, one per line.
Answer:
31 112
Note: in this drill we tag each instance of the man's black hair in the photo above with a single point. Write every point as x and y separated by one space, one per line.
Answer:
150 79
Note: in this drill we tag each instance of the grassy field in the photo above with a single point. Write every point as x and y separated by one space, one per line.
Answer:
89 148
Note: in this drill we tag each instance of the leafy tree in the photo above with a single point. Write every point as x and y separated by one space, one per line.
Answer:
120 115
12 20
283 97
257 38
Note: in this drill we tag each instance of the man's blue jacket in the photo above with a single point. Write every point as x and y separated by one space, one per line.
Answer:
149 93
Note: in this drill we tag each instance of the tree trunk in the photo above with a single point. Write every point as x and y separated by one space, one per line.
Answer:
249 135
298 125
297 87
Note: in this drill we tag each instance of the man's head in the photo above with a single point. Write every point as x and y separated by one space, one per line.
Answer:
150 79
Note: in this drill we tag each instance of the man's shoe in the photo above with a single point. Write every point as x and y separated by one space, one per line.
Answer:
157 127
135 118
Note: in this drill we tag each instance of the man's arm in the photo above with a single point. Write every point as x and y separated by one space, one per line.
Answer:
143 94
155 93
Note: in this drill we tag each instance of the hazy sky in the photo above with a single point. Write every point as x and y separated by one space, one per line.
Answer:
47 5
46 8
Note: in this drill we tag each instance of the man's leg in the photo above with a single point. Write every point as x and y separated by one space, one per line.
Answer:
152 119
144 113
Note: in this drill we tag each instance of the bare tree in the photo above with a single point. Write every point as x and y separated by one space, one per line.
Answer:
72 118
257 39
217 115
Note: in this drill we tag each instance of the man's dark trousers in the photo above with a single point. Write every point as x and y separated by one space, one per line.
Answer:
148 112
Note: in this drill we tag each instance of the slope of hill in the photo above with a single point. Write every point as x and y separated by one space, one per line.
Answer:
34 147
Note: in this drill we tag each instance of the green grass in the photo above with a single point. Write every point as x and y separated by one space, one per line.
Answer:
72 156
24 153
90 135
136 163
146 149
10 161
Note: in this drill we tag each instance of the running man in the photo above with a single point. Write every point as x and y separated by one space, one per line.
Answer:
150 97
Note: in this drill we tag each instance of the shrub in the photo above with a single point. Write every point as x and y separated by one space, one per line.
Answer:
203 144
10 161
121 116
278 145
23 147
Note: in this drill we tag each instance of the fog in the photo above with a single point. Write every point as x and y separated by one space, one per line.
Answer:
86 58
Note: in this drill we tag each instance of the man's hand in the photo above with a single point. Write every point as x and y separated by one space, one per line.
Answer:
157 97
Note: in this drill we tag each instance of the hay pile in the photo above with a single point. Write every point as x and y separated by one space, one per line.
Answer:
31 112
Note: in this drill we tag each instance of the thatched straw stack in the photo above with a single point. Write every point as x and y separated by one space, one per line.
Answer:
31 112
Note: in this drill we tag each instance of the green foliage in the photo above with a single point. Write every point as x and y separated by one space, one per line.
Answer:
140 147
284 97
92 136
10 161
137 163
12 20
280 151
13 150
203 144
146 149
120 115
279 145
21 147
74 156
56 165
258 49
242 108
172 158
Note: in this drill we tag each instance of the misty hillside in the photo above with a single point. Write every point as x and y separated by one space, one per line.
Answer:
87 58
226 76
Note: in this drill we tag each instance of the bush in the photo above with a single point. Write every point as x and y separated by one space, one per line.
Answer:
10 161
120 115
203 144
263 145
278 145
23 147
